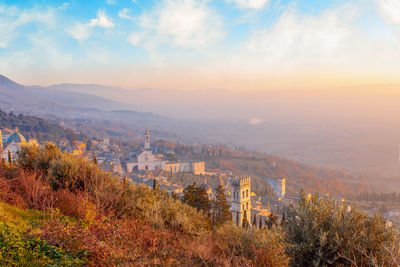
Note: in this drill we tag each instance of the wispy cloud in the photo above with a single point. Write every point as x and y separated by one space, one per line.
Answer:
184 23
81 31
12 19
390 10
102 20
124 14
250 4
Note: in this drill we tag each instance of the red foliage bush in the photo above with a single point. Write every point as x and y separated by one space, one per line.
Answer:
112 242
77 205
9 196
36 192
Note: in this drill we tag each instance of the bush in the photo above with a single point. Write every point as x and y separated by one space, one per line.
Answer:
231 245
76 205
110 194
322 232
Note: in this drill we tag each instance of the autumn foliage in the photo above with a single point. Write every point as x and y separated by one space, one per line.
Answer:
86 216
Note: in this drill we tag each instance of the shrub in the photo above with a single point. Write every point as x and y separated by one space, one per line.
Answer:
233 245
321 232
76 205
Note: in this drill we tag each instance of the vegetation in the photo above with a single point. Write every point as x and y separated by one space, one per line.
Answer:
59 210
322 232
220 206
34 127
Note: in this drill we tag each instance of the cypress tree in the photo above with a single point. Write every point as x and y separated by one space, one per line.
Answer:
95 160
245 222
154 184
254 221
260 223
10 161
237 218
221 209
283 220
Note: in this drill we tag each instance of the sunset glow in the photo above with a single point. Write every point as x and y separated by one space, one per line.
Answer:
201 44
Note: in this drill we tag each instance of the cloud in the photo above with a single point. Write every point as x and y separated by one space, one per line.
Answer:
102 20
250 4
13 19
81 31
123 14
183 23
297 39
135 38
390 10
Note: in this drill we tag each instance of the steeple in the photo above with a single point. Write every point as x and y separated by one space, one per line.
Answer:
147 140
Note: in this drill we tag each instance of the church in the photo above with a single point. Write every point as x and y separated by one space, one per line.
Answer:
147 161
10 143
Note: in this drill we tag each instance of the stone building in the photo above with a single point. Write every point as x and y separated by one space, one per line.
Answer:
278 185
11 145
147 161
240 198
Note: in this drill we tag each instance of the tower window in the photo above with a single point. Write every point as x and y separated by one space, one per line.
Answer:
247 205
243 207
243 194
247 193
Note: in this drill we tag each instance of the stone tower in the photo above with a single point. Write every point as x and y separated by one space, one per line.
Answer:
240 198
147 140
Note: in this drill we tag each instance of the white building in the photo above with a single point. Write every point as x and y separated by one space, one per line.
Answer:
147 161
12 145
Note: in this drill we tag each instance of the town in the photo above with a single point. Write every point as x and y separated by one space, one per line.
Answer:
148 164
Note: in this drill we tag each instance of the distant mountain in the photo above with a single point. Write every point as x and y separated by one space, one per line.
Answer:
19 97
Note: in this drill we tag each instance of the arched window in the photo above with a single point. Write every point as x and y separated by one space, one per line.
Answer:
247 205
243 194
247 193
243 207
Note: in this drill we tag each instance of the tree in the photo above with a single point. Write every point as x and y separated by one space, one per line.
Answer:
255 221
196 196
221 209
271 220
154 184
260 223
245 222
237 219
95 160
283 220
10 161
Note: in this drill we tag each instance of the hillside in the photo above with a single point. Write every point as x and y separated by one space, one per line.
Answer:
35 127
59 210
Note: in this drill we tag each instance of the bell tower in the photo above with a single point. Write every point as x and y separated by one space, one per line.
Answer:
147 140
240 199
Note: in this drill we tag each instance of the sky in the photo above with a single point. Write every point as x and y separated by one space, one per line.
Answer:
202 44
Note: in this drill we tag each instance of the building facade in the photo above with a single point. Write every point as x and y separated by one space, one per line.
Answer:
147 161
278 185
11 144
240 198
